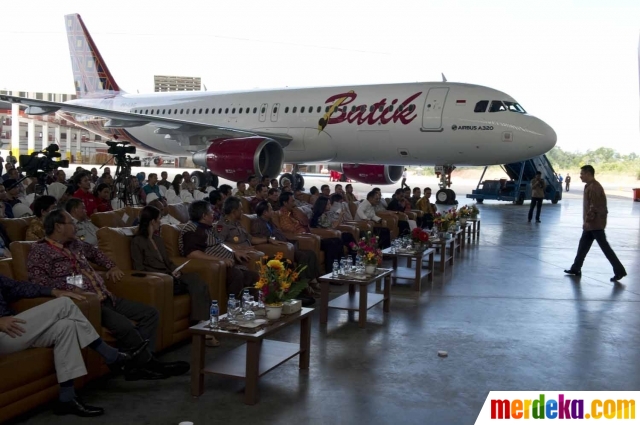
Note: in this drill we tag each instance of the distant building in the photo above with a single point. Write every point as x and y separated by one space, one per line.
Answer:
174 83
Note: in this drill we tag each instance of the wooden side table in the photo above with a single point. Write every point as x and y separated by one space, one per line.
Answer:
407 272
349 302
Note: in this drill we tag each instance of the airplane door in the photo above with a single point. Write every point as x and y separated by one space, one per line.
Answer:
433 107
274 112
263 112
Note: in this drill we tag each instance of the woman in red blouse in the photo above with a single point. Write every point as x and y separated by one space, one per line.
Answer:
103 195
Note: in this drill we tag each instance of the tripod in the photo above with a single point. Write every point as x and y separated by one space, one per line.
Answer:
121 180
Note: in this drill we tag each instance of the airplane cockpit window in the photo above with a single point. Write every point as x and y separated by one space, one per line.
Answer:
515 107
497 106
481 106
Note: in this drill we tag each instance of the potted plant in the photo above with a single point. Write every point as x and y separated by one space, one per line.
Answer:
278 283
474 212
420 238
369 250
464 213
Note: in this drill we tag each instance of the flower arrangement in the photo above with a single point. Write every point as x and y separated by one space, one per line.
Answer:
368 249
279 280
464 212
419 236
474 210
446 220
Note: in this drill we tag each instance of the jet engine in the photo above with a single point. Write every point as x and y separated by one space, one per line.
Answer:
237 159
370 173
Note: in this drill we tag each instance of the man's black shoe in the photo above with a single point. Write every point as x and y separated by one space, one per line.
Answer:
573 272
538 221
306 301
127 359
618 277
140 374
78 408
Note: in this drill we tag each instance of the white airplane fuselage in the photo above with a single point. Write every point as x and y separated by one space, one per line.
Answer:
437 124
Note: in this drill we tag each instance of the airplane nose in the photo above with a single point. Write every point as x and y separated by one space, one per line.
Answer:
547 137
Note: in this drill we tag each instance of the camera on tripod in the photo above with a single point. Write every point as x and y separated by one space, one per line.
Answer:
120 151
38 164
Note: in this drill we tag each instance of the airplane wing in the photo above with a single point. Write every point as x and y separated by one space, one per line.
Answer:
119 119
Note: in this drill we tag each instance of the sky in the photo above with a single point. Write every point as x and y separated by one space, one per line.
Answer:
573 64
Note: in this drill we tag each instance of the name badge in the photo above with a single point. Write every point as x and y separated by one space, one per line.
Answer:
75 280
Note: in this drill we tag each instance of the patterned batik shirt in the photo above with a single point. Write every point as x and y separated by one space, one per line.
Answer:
196 236
50 263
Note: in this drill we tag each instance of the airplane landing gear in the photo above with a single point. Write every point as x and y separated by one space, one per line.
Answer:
297 181
445 196
204 178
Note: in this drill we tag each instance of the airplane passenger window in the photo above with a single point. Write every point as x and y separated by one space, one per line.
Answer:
481 106
213 111
169 111
181 111
412 108
381 108
372 108
199 111
310 109
390 108
302 110
514 107
226 110
353 108
233 111
219 110
239 110
363 108
194 111
286 110
186 114
255 110
152 111
146 111
295 108
319 109
175 111
262 110
327 109
401 108
497 106
275 110
206 111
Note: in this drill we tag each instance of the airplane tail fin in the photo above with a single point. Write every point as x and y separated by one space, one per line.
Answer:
90 73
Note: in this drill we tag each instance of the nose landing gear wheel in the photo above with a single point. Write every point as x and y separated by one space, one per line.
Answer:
446 197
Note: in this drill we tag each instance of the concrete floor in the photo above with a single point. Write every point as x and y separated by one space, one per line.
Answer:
506 313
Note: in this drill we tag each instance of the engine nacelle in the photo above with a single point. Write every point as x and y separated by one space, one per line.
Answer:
237 159
370 173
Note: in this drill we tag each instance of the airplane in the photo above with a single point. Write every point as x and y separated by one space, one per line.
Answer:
368 132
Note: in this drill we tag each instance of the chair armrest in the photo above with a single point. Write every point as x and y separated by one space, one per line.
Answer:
214 272
363 226
271 250
411 215
350 228
419 213
306 241
326 233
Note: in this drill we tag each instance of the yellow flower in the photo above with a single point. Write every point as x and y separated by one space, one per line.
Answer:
279 256
275 264
294 276
260 283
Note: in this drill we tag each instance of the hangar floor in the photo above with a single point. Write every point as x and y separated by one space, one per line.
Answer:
506 313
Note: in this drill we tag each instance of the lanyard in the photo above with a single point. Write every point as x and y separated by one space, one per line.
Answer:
74 260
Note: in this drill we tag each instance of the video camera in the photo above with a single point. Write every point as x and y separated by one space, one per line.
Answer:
120 151
40 163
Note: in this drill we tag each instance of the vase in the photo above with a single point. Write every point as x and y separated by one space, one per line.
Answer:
370 269
274 311
417 246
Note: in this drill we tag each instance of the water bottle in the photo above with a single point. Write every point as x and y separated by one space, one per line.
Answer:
214 312
245 300
231 306
336 266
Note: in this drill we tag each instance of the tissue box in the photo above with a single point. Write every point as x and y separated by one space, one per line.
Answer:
291 306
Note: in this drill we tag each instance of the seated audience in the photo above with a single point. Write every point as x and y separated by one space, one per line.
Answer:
293 220
225 191
215 199
197 240
176 194
263 227
5 242
187 184
428 209
60 255
328 215
251 190
164 182
314 195
262 192
273 197
325 191
148 254
153 187
59 324
10 197
366 212
102 193
41 207
240 189
86 231
83 181
274 184
349 195
415 198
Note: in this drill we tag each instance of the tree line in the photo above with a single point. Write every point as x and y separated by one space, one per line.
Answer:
603 159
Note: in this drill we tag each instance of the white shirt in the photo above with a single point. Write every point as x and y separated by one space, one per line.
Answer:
86 231
366 211
169 219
